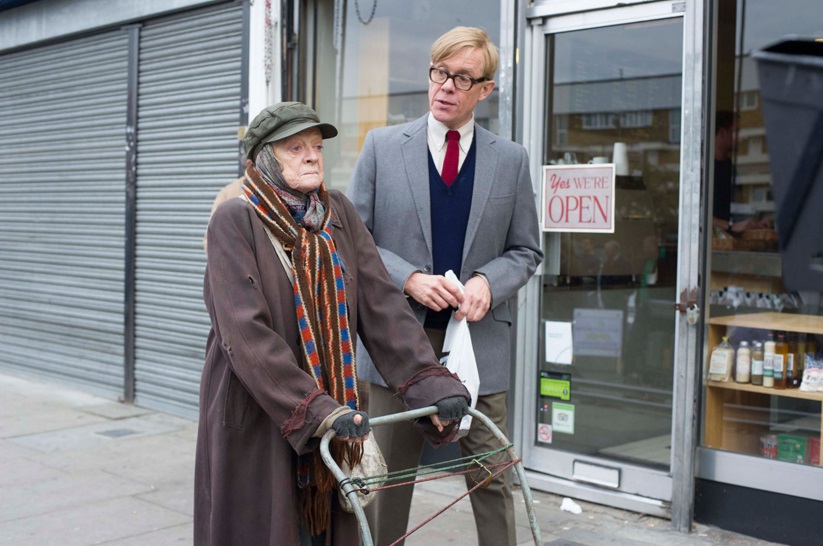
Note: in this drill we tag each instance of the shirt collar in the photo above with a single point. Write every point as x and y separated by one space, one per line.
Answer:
437 133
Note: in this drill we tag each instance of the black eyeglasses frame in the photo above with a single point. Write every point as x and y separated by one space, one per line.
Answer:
452 77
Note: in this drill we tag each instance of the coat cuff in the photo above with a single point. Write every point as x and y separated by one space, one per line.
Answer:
326 424
298 416
431 385
299 428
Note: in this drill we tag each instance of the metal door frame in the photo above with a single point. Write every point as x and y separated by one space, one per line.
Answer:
675 489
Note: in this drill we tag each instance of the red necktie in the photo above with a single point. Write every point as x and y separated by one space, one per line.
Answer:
452 157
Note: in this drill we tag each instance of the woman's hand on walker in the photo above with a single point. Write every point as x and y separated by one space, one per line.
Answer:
352 426
449 409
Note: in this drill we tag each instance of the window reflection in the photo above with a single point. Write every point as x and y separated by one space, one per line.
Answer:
615 98
380 76
747 298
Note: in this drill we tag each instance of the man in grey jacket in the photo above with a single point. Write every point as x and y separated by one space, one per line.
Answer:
442 193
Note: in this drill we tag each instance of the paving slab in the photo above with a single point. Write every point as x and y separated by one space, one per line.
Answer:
98 435
45 494
87 524
178 535
113 410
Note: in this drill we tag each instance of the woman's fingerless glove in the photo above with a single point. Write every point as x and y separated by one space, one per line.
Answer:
452 408
345 427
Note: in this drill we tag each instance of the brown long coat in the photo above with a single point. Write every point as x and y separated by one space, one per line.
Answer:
253 388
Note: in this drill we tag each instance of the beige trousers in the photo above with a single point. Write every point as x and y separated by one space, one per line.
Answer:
402 445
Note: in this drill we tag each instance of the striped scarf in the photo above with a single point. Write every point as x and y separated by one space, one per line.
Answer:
322 317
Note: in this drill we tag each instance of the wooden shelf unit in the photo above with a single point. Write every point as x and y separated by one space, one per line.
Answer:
735 411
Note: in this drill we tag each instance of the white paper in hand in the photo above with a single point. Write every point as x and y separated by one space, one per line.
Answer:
458 357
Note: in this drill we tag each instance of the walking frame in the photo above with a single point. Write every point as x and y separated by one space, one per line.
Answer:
350 489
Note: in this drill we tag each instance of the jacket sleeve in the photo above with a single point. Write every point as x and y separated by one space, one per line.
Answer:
521 256
257 353
362 193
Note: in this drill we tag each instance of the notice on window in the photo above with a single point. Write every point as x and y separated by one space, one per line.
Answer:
555 385
598 332
544 433
563 418
558 342
578 198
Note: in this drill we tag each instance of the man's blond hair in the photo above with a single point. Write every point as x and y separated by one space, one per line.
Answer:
460 38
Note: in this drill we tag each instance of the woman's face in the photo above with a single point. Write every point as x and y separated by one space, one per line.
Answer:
301 160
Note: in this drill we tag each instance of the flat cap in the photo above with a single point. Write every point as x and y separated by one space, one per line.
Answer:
280 121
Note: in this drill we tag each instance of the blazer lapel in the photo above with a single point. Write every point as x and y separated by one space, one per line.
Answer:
415 152
485 166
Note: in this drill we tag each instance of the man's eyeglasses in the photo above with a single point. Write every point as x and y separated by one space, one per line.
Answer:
461 81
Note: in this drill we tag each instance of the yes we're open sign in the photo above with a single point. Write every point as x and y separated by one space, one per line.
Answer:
578 198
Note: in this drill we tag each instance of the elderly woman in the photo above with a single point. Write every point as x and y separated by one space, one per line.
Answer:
292 274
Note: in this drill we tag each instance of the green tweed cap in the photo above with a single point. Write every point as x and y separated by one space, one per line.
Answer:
280 121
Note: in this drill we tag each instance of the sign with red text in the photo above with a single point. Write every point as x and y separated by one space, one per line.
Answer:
578 198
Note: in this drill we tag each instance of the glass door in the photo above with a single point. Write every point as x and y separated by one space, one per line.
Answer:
612 93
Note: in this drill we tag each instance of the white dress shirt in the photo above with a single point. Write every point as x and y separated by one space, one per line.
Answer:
437 141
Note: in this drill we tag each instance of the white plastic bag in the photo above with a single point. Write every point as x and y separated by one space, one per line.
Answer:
458 357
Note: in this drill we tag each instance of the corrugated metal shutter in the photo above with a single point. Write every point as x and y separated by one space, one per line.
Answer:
188 114
62 195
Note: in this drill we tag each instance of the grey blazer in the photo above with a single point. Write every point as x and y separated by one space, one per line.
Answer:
390 190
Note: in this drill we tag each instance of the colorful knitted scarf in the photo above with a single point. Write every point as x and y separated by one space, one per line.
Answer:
322 317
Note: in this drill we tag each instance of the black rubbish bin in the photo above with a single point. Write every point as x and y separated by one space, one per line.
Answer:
791 86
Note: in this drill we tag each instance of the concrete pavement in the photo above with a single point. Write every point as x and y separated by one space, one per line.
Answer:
77 469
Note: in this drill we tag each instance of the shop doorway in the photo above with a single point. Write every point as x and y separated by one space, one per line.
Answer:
611 84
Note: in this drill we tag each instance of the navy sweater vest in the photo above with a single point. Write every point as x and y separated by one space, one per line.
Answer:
450 207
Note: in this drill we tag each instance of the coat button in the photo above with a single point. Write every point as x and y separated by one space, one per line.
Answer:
427 269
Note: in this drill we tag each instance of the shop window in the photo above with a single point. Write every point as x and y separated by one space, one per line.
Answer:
635 120
371 68
600 120
762 393
749 100
674 126
561 130
611 290
608 120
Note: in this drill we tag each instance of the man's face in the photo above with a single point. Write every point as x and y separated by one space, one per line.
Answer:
726 138
450 106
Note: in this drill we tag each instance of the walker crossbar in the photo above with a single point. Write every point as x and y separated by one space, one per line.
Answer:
350 489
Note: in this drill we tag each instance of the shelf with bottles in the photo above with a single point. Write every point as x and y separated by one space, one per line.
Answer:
787 322
771 391
737 413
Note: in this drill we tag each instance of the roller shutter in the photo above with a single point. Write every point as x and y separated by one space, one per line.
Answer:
62 194
187 149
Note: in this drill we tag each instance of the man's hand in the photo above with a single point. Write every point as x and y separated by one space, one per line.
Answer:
352 426
449 409
743 225
433 291
477 298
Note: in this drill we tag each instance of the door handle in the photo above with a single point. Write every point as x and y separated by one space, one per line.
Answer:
688 306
